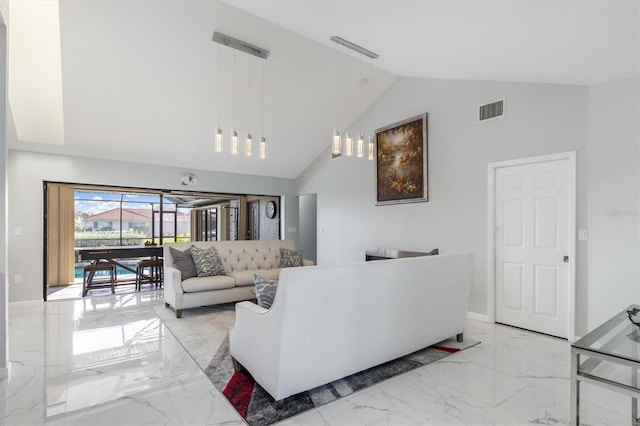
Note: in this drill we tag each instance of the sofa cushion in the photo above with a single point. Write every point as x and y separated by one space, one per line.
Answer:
183 261
265 291
218 282
290 258
269 274
245 278
207 261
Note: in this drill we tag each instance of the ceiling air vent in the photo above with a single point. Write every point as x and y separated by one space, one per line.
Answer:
491 110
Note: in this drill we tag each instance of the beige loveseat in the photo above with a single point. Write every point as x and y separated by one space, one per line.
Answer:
241 259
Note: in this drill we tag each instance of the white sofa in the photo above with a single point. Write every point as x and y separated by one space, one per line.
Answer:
241 259
328 322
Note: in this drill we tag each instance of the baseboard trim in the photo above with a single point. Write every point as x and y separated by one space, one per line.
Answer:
477 317
27 303
5 372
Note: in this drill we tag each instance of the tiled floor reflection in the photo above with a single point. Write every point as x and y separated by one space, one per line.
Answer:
105 360
74 291
126 360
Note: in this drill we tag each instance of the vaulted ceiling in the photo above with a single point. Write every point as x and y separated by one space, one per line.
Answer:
142 81
550 41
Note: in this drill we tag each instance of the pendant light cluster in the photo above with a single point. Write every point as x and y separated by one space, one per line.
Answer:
234 147
337 148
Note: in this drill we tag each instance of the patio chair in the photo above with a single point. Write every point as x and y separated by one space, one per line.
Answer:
90 282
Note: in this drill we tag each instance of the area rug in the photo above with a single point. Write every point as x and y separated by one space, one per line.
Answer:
256 406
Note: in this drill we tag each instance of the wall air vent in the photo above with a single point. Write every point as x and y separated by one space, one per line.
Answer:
491 110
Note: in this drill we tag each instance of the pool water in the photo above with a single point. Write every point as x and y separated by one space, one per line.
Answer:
119 271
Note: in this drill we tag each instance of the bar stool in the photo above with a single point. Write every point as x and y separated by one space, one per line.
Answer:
88 281
155 272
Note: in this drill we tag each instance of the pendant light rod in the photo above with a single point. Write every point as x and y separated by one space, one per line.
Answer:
243 46
352 46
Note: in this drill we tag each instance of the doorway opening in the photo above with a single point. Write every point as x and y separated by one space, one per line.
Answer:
80 217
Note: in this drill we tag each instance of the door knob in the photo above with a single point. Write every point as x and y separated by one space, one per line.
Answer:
565 259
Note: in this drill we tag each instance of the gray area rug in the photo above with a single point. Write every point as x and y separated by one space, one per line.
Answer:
256 406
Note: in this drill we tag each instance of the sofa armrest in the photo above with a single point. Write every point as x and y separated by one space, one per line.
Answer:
255 342
307 262
250 306
173 287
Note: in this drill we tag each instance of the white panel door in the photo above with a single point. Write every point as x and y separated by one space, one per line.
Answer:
532 238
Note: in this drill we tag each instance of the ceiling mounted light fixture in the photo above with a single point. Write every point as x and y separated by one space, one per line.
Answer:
360 143
263 139
372 144
336 140
248 143
242 46
234 132
218 140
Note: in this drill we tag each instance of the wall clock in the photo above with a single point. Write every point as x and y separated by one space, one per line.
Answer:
271 209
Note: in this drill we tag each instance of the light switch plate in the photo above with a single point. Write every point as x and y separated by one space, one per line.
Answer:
582 235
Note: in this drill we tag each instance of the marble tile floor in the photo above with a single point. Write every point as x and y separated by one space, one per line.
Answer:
74 291
125 359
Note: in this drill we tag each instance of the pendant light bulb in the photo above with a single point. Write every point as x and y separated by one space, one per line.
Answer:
248 145
348 144
371 149
336 142
263 147
218 141
234 142
360 146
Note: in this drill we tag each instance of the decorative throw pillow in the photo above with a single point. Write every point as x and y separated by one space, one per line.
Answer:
183 262
207 261
265 290
290 258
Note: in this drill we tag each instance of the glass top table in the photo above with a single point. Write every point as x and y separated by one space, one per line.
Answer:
616 342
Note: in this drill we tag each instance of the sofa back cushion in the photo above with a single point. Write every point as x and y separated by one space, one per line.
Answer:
243 255
183 261
251 255
290 258
207 261
265 290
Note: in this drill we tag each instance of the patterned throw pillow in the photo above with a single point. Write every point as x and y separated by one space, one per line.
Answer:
183 261
290 258
207 261
265 290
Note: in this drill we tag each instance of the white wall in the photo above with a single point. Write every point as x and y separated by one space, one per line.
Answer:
540 119
148 86
613 208
4 316
28 171
307 232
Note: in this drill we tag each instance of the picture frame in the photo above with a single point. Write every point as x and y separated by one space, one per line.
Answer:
401 162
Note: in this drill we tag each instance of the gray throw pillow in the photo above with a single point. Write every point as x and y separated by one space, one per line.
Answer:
290 258
183 262
265 290
207 261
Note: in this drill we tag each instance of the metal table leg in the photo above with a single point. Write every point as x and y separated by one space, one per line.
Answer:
634 400
575 389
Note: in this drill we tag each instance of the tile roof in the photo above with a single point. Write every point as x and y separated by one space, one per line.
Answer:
129 215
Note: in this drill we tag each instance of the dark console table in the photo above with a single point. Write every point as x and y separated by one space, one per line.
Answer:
382 254
114 255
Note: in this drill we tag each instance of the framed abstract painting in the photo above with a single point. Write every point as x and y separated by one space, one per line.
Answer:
401 162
